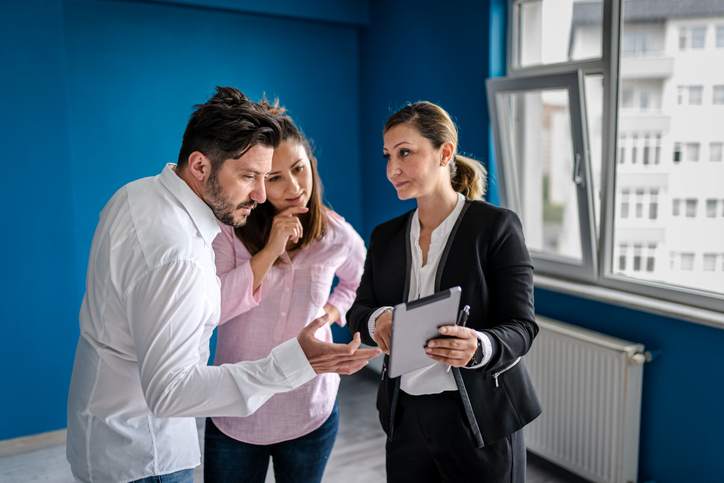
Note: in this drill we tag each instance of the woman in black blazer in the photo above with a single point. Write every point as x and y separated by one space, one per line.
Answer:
465 424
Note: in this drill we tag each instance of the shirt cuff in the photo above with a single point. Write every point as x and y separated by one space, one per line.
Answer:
292 363
487 348
373 319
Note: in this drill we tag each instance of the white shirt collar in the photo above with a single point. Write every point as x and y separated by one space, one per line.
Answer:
200 213
444 228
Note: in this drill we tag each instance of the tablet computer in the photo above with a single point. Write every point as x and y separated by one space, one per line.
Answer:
416 322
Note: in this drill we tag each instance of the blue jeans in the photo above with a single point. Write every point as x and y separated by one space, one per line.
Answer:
301 460
183 476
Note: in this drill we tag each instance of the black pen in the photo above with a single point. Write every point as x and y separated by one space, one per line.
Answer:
462 322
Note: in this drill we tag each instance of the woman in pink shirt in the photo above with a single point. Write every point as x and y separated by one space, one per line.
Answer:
276 276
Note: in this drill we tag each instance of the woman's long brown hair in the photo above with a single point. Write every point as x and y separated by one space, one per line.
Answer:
255 233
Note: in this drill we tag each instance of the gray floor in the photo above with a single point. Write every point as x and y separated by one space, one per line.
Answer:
358 455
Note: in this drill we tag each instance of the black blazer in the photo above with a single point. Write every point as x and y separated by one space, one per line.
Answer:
486 256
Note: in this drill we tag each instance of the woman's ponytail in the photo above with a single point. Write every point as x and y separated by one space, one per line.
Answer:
468 177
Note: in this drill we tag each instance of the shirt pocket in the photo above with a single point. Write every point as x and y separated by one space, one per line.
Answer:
320 284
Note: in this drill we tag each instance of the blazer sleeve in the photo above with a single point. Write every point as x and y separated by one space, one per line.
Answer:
510 279
365 302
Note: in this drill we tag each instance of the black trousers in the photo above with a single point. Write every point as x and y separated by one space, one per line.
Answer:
433 443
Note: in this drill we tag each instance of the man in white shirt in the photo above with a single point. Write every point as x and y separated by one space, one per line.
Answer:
152 301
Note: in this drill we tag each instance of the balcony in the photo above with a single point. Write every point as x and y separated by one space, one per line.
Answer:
646 65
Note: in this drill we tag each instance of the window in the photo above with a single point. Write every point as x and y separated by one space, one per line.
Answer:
711 208
715 152
698 37
692 152
637 257
653 204
639 203
691 207
718 95
546 34
563 149
657 150
687 261
709 262
625 203
650 259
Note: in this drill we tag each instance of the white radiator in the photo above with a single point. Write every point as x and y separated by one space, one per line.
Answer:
589 385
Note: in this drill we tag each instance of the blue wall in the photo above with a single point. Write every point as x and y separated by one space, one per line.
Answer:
97 93
422 50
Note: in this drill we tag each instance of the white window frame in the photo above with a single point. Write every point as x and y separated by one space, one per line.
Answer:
602 257
572 82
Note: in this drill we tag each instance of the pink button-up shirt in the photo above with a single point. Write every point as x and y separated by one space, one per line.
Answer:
291 295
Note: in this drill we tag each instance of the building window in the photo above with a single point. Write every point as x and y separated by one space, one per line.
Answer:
677 152
687 261
622 248
696 94
692 152
637 257
634 152
691 207
646 149
676 207
720 36
639 203
622 150
657 150
650 258
715 152
698 37
625 194
653 204
709 262
718 95
711 207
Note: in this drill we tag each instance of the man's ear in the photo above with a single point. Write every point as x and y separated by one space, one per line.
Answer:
199 166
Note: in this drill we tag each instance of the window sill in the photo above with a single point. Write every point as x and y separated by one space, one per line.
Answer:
632 301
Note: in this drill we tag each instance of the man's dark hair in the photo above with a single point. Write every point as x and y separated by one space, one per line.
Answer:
226 126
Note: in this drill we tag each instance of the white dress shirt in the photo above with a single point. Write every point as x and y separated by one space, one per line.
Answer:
152 301
434 378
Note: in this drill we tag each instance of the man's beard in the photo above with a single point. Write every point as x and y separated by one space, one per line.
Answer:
221 206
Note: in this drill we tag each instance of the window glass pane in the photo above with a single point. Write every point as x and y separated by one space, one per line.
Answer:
545 28
671 98
715 152
537 127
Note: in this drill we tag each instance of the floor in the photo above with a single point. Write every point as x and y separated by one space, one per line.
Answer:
358 456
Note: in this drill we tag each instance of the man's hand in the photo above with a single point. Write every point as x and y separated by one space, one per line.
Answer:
383 331
327 357
456 348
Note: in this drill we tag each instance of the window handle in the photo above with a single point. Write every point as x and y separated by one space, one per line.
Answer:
577 178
